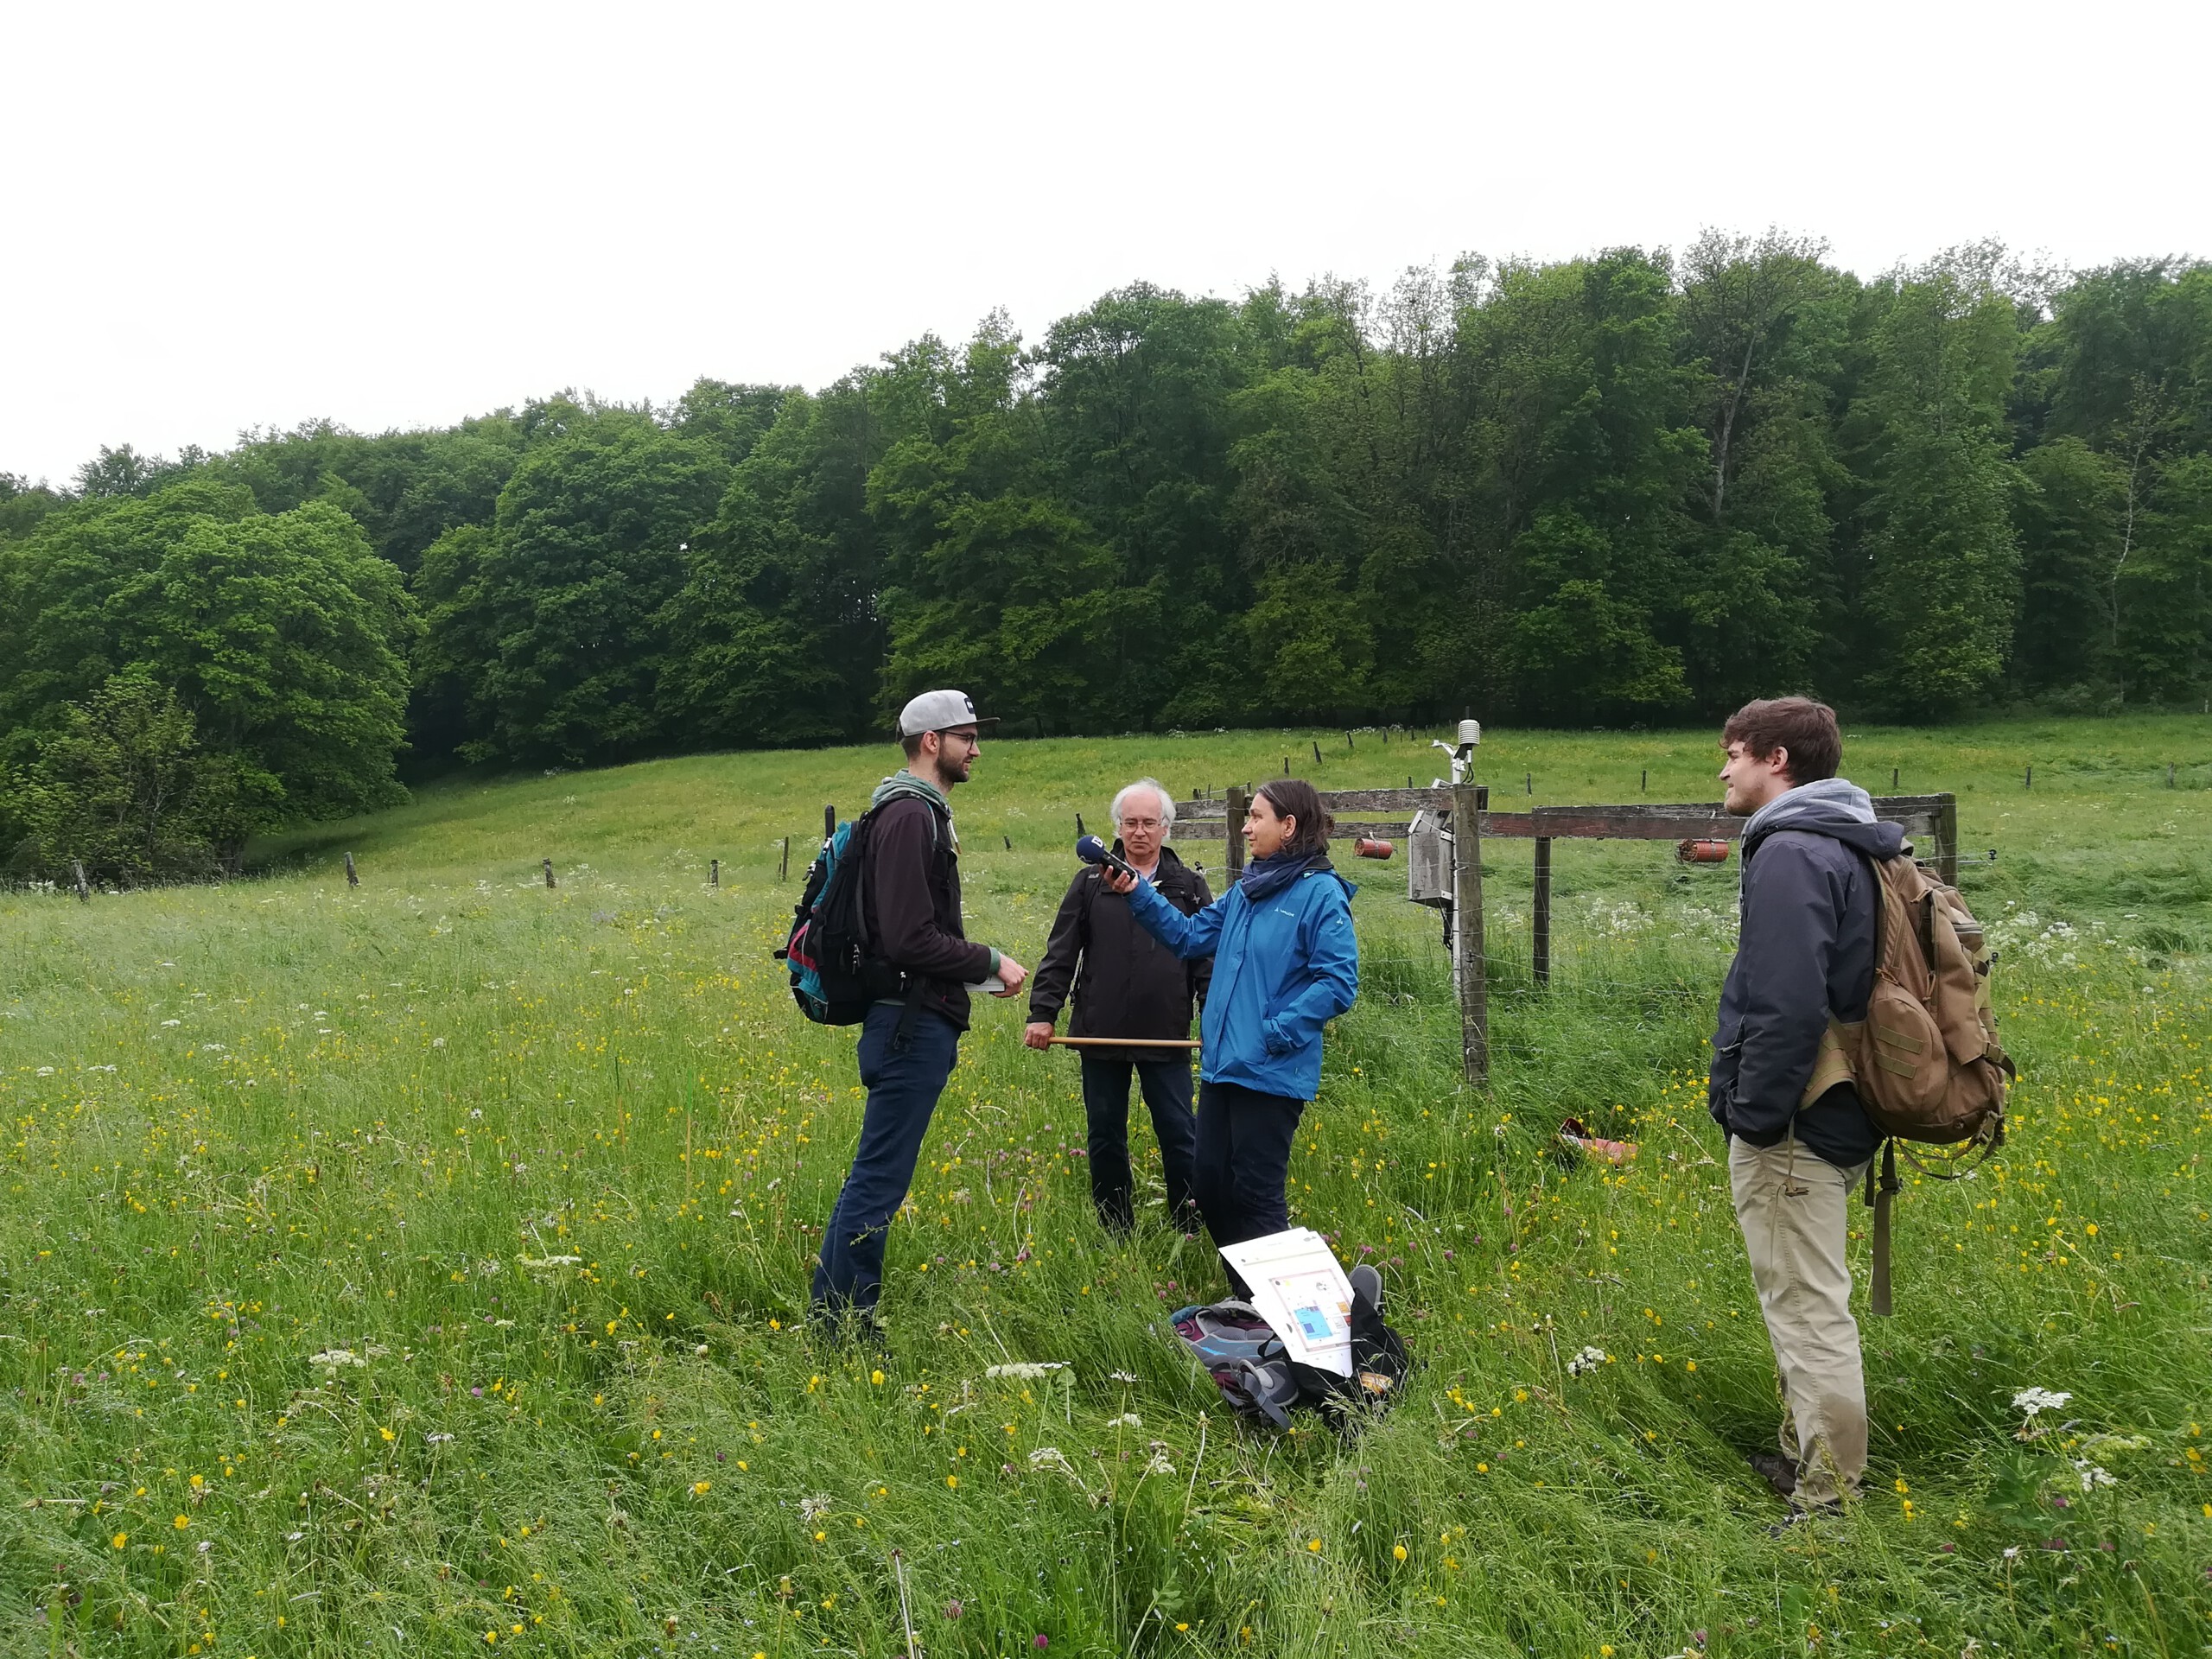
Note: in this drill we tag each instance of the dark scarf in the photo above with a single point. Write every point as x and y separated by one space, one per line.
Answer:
1264 878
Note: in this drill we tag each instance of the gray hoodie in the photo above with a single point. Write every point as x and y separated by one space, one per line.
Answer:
1806 953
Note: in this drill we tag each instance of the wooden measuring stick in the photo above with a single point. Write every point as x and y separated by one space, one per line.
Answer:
1124 1042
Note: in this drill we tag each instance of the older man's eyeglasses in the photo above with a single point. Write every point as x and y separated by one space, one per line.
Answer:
1140 824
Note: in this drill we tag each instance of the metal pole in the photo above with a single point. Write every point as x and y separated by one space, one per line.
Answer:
1543 911
1467 803
1233 799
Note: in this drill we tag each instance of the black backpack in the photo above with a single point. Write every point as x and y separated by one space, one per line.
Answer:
835 974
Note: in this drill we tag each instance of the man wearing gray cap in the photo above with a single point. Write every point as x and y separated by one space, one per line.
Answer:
911 900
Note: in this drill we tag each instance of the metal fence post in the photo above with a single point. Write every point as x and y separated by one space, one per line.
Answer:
1468 801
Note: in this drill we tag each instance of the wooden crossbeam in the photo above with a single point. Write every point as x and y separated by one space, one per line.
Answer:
1340 802
1217 829
1921 814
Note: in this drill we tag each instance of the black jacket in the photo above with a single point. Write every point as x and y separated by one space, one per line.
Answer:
914 905
1129 984
1805 952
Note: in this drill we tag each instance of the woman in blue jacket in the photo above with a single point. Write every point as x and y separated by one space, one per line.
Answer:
1285 964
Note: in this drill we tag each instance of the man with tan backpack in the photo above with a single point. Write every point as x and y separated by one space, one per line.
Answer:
1856 1013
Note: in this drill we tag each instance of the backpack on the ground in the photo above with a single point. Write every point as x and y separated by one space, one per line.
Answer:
1259 1379
1926 1061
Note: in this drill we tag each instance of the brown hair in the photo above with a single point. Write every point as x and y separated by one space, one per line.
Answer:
1293 797
912 744
1806 729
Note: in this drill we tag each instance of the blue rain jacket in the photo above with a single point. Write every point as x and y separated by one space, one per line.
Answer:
1282 970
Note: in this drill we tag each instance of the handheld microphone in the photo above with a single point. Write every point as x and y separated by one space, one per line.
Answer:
1091 850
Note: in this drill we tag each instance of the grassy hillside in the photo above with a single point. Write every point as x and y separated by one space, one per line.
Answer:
297 1362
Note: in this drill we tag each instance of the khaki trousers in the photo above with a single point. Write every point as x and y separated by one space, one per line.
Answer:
1793 1208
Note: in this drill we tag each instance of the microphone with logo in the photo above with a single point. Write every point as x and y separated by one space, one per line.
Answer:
1091 850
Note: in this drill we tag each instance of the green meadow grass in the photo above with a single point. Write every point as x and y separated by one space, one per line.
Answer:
420 1268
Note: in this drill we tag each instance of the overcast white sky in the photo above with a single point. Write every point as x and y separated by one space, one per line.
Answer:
220 216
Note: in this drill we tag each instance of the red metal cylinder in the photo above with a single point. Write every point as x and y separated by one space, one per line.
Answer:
1702 852
1366 848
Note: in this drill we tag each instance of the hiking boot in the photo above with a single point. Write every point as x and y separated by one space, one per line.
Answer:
1367 1287
1798 1517
1779 1472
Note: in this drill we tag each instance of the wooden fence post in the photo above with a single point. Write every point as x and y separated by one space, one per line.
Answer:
548 873
783 869
84 887
1233 799
353 877
1543 911
1947 840
1467 803
713 872
829 820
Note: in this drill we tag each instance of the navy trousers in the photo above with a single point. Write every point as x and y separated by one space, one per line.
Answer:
1167 1085
903 1083
1242 1176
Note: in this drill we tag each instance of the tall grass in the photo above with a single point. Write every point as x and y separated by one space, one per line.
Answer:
297 1360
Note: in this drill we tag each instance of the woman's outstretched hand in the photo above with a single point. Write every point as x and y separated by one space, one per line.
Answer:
1116 882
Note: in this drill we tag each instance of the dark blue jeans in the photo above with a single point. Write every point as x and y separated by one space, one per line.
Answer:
1242 1168
1167 1085
903 1083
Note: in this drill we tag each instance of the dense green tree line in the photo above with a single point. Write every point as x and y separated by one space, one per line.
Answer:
1625 487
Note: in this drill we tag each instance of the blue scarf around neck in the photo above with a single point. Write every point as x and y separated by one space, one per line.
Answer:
1263 878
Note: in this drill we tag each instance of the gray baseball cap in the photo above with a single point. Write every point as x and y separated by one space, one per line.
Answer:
940 711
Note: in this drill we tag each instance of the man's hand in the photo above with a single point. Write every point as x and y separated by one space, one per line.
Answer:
1037 1033
1011 974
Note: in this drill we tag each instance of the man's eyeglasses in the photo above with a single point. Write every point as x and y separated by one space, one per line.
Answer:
1140 824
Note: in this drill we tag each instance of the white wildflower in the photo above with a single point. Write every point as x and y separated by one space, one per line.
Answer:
488 1267
1126 1419
1027 1371
46 1071
437 1440
167 1023
1123 1376
1050 1457
537 1262
2033 1402
2011 1552
336 1357
1158 1465
1589 1360
2091 1475
811 1509
437 1042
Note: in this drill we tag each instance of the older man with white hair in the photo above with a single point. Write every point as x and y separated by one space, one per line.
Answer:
1127 984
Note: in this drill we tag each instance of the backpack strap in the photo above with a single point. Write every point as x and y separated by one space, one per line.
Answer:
1879 1195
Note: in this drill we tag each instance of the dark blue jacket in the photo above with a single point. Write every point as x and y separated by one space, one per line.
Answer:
1805 952
1282 969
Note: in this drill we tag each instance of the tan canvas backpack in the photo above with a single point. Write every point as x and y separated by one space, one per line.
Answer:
1926 1058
